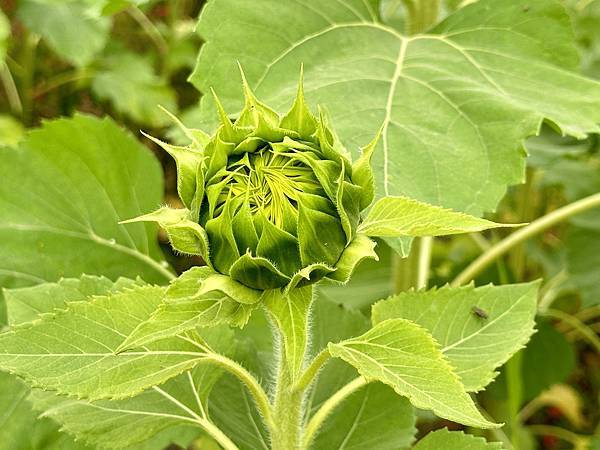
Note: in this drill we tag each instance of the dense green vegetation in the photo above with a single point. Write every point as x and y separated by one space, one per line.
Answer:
399 250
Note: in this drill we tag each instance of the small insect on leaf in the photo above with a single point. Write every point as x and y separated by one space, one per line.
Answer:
479 312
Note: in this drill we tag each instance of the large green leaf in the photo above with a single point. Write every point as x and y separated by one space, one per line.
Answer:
63 192
403 355
74 351
26 304
114 423
372 418
402 216
69 27
20 427
455 104
475 345
155 414
454 440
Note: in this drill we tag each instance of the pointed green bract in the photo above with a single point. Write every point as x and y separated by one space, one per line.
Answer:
185 235
402 216
405 356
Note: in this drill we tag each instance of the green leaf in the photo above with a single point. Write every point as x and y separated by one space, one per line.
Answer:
402 216
63 193
114 423
191 301
455 104
372 418
454 440
74 351
27 304
128 81
155 413
474 345
69 27
290 312
21 428
404 356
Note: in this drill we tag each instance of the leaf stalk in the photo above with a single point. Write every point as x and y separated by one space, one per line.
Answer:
534 228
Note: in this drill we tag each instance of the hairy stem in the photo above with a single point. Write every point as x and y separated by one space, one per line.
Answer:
256 390
287 408
523 234
330 404
311 371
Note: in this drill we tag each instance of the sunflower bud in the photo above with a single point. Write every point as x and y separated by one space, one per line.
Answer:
274 201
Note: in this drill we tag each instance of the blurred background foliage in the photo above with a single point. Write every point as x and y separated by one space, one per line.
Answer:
123 57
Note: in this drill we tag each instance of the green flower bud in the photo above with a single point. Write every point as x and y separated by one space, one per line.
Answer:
276 201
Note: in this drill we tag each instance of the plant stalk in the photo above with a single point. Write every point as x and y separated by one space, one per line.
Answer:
287 408
420 15
330 404
534 228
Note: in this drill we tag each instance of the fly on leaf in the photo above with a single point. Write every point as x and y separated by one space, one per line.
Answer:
479 312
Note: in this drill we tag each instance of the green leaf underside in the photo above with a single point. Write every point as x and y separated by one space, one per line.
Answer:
85 364
402 216
110 423
480 74
372 418
474 345
78 177
21 428
454 440
290 312
405 356
26 304
186 306
121 423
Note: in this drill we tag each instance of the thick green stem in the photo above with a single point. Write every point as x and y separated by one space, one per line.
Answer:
287 409
515 397
27 61
523 234
420 15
